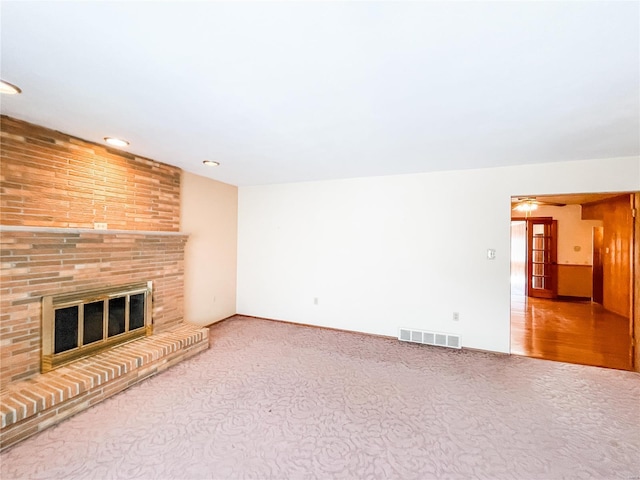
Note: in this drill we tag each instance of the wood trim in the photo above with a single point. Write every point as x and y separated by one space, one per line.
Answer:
572 298
524 219
601 200
635 284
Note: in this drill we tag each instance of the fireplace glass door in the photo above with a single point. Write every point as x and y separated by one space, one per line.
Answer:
79 324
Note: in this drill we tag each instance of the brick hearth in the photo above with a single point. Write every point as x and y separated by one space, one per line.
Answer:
30 406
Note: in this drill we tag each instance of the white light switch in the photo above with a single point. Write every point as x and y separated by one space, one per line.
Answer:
491 253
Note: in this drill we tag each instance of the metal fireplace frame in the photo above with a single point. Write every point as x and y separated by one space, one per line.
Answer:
50 303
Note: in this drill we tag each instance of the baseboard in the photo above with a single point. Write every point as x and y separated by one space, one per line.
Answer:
355 332
219 321
570 298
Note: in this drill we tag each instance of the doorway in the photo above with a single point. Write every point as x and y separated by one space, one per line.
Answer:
597 277
557 312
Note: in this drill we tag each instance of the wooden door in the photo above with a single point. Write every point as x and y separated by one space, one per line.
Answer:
597 294
542 266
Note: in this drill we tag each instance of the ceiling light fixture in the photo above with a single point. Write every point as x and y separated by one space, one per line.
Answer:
528 206
211 163
8 88
116 142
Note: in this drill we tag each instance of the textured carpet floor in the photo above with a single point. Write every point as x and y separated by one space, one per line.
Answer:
272 400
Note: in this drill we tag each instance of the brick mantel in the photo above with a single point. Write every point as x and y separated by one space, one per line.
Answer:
13 228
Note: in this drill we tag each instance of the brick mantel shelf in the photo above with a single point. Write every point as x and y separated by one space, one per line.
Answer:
15 228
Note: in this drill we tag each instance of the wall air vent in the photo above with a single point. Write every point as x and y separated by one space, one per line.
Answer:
429 338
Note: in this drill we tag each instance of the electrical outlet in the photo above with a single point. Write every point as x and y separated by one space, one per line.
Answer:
315 300
99 226
456 316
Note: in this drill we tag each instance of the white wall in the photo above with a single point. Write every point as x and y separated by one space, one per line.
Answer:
209 214
572 232
408 250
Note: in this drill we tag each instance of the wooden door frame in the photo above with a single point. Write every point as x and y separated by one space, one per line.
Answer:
597 266
526 277
634 314
554 252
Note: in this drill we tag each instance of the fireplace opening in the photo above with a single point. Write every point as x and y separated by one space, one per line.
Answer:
81 324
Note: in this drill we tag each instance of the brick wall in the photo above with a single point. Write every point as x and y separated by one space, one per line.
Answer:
53 186
34 264
52 179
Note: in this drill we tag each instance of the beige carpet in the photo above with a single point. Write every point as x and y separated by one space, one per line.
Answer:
273 400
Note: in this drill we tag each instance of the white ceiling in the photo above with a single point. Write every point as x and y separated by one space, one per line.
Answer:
296 91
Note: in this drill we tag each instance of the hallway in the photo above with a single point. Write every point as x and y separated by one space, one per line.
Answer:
572 332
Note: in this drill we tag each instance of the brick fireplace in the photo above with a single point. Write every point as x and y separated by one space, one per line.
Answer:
80 324
55 188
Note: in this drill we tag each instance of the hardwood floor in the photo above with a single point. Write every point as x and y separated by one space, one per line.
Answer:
572 332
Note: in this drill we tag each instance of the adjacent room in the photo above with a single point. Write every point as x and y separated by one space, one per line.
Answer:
572 277
319 239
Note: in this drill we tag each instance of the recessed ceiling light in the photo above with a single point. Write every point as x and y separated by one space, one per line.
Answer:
116 142
211 163
6 87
